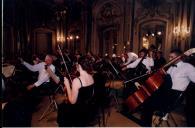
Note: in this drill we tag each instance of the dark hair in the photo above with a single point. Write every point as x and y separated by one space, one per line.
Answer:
160 52
143 50
176 51
34 57
86 64
152 47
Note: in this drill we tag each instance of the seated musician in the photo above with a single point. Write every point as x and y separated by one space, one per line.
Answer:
159 60
78 111
181 73
129 57
43 76
147 61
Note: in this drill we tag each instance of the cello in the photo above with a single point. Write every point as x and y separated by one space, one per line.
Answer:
156 79
152 84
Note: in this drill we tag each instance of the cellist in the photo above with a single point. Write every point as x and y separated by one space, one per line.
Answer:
181 73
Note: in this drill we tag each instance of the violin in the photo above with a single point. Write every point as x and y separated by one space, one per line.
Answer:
72 75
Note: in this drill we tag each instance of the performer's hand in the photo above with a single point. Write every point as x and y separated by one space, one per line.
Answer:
124 68
149 72
66 81
30 87
123 65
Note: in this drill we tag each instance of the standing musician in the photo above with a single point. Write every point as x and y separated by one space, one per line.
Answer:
147 61
41 68
181 74
79 111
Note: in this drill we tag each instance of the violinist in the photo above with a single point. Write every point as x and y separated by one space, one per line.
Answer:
180 74
43 76
78 112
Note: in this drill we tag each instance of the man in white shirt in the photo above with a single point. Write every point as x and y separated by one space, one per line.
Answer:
42 69
181 74
147 61
131 57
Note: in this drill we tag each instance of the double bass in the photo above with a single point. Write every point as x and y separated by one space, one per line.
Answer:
151 84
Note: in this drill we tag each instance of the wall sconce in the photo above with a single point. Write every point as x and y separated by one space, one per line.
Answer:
159 33
72 37
181 32
77 37
60 39
145 42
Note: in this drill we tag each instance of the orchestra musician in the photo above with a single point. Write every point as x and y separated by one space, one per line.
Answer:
78 111
147 61
159 60
129 57
41 67
181 73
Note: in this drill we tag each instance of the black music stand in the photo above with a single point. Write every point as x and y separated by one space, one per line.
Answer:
52 104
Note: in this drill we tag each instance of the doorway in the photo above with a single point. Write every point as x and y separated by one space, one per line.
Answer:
152 33
108 41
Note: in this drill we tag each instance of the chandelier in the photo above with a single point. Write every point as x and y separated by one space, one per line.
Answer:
181 32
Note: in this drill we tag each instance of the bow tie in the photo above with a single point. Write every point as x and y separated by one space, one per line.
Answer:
174 65
46 66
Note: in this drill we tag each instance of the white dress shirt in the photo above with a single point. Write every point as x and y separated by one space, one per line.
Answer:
131 57
148 62
43 74
181 75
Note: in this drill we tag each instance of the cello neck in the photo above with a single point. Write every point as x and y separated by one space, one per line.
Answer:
172 61
186 53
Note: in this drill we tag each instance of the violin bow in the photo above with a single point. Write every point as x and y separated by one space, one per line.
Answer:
186 53
135 78
116 71
64 63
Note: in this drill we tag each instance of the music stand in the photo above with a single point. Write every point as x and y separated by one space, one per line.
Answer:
52 102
